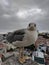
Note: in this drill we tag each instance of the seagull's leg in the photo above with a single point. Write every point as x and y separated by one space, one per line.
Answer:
21 55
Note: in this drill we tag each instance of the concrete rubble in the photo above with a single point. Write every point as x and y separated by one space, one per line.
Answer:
14 61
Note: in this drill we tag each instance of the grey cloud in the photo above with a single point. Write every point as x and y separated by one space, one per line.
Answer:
13 22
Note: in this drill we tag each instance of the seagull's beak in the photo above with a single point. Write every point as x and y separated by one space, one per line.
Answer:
31 28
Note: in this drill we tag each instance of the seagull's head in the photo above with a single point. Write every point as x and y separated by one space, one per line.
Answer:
32 26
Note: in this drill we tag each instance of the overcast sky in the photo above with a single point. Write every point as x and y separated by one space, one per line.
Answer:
16 14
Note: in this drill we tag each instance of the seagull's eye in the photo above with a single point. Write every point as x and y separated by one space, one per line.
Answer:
29 25
35 25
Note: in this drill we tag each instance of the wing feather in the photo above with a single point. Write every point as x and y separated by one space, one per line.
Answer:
16 36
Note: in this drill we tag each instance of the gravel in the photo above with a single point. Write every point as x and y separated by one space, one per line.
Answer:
14 61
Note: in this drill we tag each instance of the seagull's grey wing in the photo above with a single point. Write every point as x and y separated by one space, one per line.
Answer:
9 37
19 32
16 36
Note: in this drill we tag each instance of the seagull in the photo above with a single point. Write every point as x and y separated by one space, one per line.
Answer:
22 38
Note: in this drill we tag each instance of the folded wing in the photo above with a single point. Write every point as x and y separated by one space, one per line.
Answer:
16 36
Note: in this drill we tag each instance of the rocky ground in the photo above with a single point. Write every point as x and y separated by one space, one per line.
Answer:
14 61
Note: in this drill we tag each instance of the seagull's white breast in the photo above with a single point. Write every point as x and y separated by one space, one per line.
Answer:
30 37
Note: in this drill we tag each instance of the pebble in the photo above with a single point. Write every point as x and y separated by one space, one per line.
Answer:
14 61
